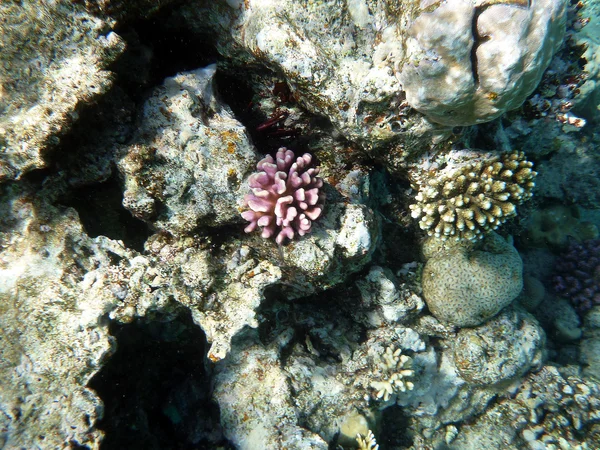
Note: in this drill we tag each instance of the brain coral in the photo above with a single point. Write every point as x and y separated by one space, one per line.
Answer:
468 283
286 196
467 201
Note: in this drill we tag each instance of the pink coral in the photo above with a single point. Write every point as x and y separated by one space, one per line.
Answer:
286 196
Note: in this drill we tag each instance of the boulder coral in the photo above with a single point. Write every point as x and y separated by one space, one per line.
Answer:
469 62
286 196
468 283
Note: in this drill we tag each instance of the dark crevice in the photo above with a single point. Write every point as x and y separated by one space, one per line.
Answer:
102 213
477 41
156 388
393 420
165 51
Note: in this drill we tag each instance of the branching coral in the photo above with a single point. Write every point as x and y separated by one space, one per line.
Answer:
286 196
368 442
476 198
396 368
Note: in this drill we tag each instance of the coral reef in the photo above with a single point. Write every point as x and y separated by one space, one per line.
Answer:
286 196
468 283
578 274
236 342
465 201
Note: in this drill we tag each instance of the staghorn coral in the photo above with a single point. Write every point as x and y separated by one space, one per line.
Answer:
286 196
475 198
578 275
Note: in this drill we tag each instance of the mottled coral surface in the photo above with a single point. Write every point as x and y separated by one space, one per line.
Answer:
286 196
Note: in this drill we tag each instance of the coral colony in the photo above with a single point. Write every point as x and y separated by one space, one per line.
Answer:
475 199
578 275
286 196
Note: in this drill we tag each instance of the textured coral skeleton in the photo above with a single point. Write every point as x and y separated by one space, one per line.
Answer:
475 199
286 196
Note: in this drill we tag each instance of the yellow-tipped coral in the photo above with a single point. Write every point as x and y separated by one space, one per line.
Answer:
475 198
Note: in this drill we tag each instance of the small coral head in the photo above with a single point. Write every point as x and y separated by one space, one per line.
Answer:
286 196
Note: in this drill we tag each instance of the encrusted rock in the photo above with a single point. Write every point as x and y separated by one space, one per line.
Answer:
256 403
56 286
549 411
482 358
186 164
468 199
54 60
468 283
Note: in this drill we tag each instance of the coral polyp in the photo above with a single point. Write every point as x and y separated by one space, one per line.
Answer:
286 196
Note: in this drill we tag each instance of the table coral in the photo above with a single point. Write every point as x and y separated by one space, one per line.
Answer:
286 196
467 201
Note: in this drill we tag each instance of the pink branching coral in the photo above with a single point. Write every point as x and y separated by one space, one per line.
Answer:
286 196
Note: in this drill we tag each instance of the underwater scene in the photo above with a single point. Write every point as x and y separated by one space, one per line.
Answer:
300 224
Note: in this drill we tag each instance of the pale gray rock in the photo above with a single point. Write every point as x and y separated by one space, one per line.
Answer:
341 242
257 404
469 62
185 167
483 359
55 58
381 290
56 285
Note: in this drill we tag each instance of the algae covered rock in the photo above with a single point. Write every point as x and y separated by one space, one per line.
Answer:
466 284
482 358
54 60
